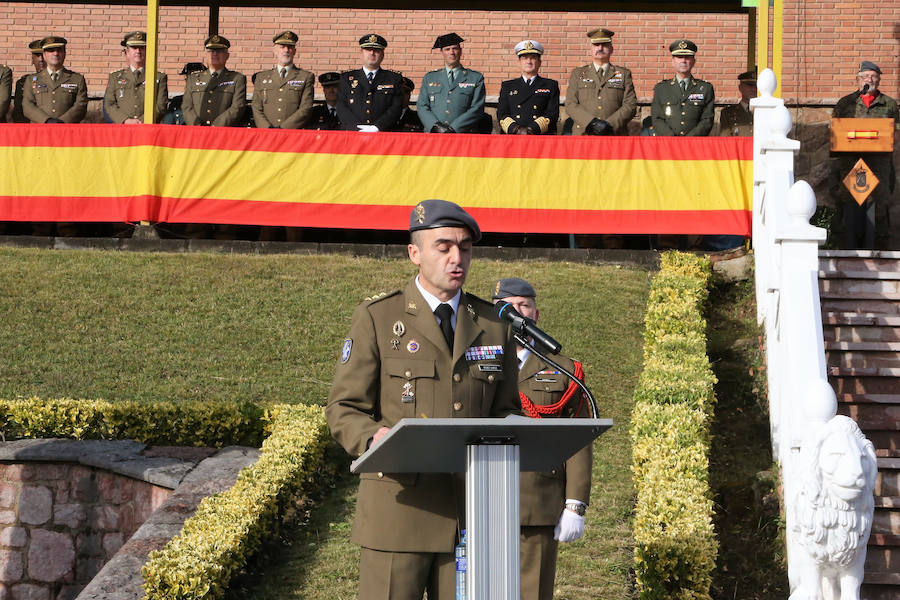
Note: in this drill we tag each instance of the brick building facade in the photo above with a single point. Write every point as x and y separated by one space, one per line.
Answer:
824 41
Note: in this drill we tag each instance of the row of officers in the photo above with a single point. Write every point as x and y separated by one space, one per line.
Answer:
600 98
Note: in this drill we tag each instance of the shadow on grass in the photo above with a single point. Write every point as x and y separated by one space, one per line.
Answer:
748 525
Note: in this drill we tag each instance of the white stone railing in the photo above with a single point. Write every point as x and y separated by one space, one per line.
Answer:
823 555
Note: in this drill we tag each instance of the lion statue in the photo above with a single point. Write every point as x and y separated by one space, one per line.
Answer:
833 513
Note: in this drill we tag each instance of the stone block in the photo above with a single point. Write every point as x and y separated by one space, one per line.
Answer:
70 515
51 555
8 492
105 518
27 472
4 592
62 491
115 489
11 567
29 591
7 517
87 568
84 485
112 542
14 537
89 544
35 504
69 592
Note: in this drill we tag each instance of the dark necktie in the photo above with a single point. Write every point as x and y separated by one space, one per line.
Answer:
444 312
371 76
684 85
283 72
450 76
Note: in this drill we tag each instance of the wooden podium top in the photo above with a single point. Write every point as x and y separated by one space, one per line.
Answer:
862 135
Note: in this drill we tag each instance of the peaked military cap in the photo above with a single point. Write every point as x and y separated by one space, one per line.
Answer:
372 40
868 65
216 42
513 286
286 38
36 47
748 77
135 39
683 48
407 84
53 41
601 36
329 78
448 39
192 67
431 214
529 47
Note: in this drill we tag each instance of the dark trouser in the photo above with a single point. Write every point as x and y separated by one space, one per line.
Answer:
406 575
863 227
538 554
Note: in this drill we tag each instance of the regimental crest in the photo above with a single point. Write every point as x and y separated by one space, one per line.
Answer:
345 351
373 38
529 45
420 214
682 45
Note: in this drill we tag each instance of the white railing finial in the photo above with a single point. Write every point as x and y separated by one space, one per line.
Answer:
766 83
801 205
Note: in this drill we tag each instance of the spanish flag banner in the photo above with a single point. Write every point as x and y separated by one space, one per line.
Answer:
346 179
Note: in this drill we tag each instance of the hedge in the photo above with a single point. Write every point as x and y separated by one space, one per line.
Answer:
675 545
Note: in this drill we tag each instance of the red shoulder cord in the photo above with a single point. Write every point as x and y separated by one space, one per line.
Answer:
535 411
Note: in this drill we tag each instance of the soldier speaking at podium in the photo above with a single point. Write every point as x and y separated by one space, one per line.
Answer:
429 350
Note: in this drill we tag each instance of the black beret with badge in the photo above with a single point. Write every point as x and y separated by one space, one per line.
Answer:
513 286
683 48
329 78
286 38
53 41
448 39
373 40
36 46
431 214
217 42
134 39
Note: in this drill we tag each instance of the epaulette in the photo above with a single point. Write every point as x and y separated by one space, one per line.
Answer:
380 296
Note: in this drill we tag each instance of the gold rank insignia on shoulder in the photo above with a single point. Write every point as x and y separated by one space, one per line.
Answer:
411 305
420 213
399 329
376 296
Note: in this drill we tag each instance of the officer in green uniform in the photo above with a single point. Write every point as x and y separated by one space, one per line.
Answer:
451 99
37 61
683 105
429 350
124 98
56 94
216 96
552 504
600 98
528 104
283 96
5 91
736 119
867 226
370 98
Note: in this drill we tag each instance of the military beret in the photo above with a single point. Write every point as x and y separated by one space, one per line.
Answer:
36 47
286 38
192 67
601 36
431 214
329 78
513 286
448 39
748 77
868 65
407 84
529 47
216 42
683 48
53 41
372 40
135 39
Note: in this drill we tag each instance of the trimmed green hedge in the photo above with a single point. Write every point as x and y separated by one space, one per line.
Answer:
675 545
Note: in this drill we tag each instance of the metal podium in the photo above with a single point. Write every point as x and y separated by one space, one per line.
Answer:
491 452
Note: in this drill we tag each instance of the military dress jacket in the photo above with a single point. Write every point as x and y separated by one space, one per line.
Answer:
361 103
395 364
321 118
735 119
5 90
460 105
606 96
543 494
535 105
688 112
284 103
124 98
217 100
881 163
64 99
18 114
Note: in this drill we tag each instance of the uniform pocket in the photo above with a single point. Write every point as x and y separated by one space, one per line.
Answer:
407 379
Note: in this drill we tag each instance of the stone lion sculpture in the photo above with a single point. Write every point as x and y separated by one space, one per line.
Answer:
833 513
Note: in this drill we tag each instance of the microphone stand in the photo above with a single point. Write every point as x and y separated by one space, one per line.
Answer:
522 341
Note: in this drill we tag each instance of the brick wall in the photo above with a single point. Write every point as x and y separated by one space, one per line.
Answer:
821 48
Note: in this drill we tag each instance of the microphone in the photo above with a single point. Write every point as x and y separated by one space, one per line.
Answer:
527 327
865 89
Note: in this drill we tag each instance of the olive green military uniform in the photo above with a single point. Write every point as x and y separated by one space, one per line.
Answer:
736 119
543 495
607 95
64 99
283 102
395 364
216 99
849 226
5 90
459 104
124 98
689 112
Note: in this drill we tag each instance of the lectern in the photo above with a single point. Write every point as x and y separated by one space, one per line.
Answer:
491 452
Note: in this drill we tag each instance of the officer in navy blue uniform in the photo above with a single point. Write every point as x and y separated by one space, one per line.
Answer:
371 98
324 116
528 104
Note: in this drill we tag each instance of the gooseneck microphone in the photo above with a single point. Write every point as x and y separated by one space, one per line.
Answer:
527 327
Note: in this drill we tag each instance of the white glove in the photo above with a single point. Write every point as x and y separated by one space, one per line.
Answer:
367 128
570 527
